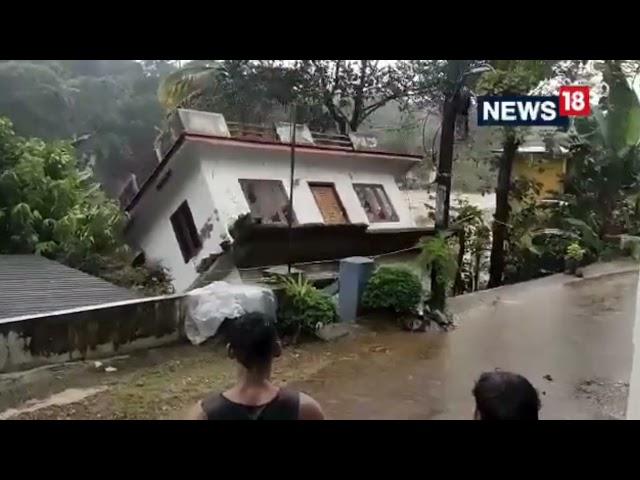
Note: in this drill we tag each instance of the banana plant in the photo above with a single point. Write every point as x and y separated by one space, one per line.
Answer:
605 170
187 82
615 124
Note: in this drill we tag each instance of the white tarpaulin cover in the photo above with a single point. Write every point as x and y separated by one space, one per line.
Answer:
209 306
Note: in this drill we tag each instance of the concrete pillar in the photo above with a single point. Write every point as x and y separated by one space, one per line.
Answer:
353 277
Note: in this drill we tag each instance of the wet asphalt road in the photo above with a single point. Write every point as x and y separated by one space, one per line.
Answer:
572 339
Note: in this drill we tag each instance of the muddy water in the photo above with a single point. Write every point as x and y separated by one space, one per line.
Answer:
577 334
422 203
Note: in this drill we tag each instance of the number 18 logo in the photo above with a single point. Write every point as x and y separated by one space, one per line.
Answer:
574 102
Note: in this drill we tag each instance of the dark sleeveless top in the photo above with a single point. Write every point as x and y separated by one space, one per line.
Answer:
284 406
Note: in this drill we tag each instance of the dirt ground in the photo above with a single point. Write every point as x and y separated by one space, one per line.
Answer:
158 384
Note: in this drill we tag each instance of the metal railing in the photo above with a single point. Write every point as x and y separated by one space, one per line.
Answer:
251 131
268 133
332 140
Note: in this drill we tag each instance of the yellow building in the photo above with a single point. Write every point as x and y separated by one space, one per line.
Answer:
544 167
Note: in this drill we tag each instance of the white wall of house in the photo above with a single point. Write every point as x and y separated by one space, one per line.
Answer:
152 230
225 165
206 175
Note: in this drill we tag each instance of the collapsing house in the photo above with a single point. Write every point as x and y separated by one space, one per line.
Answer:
217 203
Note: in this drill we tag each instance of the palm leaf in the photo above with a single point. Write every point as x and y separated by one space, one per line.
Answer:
623 116
182 83
589 237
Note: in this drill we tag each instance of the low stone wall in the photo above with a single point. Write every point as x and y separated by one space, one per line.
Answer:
90 332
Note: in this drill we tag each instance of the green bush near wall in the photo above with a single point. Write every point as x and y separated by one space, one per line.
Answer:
303 308
396 289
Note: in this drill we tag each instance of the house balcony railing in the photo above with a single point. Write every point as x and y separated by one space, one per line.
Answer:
332 140
215 125
249 131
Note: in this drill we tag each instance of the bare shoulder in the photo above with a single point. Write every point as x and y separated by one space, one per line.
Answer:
196 412
309 408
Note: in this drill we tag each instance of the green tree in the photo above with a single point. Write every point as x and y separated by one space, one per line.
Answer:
109 108
340 92
509 77
352 90
243 90
37 98
48 206
604 178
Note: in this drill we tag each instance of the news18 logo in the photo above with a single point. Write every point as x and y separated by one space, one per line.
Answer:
534 111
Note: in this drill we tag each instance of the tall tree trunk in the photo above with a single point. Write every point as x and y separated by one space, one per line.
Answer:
342 126
476 272
459 286
501 216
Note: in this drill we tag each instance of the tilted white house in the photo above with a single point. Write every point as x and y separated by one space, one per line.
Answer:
212 173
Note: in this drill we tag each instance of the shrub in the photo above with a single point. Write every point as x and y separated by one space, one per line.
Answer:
151 279
437 252
393 288
575 252
303 308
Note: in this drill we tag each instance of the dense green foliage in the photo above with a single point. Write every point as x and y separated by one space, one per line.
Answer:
111 109
536 244
575 252
302 307
474 237
50 207
601 191
604 178
437 252
508 77
340 94
108 107
393 288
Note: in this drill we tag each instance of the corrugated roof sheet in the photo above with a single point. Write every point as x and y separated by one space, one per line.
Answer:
31 284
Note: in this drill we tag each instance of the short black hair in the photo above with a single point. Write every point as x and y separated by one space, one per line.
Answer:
253 338
506 396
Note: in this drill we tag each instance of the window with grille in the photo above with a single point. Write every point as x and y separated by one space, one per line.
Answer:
185 231
376 203
267 200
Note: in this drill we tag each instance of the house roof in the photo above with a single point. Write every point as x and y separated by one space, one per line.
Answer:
538 142
261 143
31 284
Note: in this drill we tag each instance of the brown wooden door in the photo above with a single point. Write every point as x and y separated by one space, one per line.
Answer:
329 203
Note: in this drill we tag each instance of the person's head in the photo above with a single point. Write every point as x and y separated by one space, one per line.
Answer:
505 396
253 341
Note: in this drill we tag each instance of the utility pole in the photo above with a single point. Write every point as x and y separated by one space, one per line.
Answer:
455 76
458 70
292 139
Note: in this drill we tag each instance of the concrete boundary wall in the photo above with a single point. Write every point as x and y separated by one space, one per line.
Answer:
633 401
89 332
